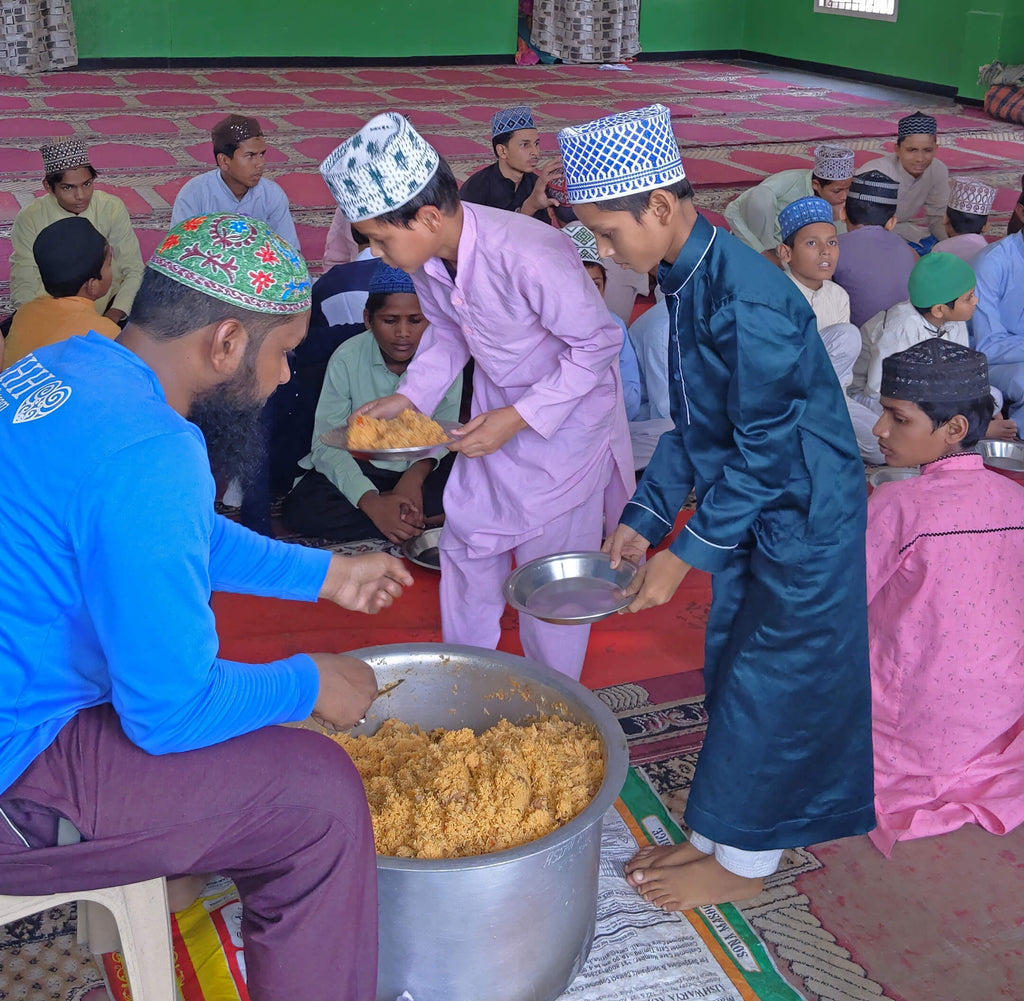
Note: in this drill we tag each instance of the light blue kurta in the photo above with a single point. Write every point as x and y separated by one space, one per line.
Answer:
998 322
208 193
762 434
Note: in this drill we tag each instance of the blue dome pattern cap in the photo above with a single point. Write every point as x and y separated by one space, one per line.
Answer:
386 280
802 213
623 154
384 165
511 120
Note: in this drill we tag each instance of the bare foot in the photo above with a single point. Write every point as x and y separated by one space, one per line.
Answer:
681 887
660 855
184 891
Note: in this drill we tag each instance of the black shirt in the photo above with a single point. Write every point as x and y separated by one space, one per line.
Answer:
491 187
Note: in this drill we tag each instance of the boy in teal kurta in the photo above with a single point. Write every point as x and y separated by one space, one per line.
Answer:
763 436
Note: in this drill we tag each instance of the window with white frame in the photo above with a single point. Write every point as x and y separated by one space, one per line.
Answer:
880 10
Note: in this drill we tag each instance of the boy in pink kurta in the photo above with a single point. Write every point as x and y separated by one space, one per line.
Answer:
945 565
546 458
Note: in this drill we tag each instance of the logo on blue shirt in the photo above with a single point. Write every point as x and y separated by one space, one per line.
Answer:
39 391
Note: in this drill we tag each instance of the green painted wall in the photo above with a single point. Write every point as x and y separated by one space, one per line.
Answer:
936 41
194 29
692 25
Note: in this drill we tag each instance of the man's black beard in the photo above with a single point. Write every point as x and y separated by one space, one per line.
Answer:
229 415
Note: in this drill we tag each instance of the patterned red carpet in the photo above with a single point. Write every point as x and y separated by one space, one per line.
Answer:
149 133
149 129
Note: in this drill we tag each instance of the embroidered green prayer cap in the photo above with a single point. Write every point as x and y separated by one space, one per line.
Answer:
236 259
939 278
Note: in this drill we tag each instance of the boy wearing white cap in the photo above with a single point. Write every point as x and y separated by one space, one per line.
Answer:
546 453
513 181
753 216
763 436
923 181
970 202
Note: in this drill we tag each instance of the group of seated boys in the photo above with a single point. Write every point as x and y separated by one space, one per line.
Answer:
922 319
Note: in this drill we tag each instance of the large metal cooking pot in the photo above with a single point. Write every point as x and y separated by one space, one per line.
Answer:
515 925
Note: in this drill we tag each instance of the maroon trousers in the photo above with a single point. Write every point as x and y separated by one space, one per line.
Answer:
281 811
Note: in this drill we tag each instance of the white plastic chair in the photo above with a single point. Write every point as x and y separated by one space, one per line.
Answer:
143 923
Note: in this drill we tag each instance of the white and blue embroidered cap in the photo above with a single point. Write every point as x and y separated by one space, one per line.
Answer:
511 120
584 240
802 213
622 154
385 164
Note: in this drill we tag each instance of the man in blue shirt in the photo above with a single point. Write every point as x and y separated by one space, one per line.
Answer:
116 712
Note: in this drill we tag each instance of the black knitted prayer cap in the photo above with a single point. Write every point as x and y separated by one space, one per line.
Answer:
935 371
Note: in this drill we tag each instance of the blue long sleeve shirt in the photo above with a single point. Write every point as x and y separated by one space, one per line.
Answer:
998 322
111 550
757 415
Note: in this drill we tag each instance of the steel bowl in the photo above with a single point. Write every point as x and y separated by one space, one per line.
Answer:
570 589
1006 457
890 474
422 549
338 438
514 925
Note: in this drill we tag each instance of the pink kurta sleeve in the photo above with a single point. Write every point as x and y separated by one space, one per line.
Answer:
569 306
884 533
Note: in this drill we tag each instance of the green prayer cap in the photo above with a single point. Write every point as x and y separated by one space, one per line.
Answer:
939 278
236 259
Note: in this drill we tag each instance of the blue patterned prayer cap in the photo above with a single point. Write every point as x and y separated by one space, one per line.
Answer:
385 280
511 120
873 186
585 242
916 125
802 213
623 154
384 165
935 371
833 163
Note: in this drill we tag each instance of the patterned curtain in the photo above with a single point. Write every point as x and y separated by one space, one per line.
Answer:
36 35
587 31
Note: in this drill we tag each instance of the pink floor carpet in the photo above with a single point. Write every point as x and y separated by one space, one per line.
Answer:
148 130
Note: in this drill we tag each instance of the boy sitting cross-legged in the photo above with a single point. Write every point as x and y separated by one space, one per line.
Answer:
874 263
942 300
810 250
967 218
344 498
945 561
74 262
